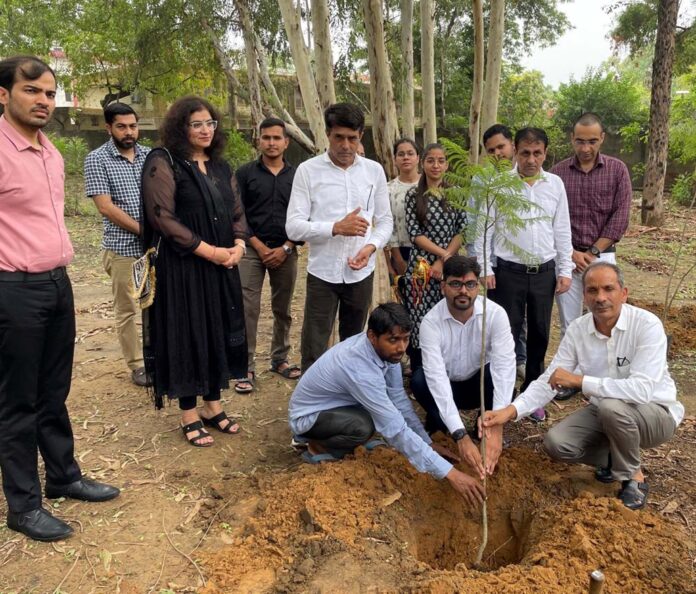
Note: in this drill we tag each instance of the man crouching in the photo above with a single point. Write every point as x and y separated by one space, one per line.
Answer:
355 389
621 352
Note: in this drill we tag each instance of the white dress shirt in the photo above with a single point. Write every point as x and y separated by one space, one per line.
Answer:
546 235
629 365
452 352
322 194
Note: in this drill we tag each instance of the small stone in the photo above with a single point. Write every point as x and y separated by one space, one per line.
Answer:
306 567
657 584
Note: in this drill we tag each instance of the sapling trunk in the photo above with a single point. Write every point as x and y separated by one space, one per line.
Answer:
482 366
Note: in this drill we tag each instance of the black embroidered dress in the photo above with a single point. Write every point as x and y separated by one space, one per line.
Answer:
194 339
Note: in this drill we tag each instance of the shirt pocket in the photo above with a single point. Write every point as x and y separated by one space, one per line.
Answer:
363 196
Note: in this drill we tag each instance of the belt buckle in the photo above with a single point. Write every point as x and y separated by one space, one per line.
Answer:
533 269
56 274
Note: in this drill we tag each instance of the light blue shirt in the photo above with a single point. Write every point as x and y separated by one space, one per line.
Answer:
352 373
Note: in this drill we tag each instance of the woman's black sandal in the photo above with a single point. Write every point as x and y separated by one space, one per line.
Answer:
219 418
202 434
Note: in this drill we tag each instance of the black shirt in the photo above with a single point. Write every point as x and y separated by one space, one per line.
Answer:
266 197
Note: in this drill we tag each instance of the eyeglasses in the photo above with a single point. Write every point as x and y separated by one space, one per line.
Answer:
457 285
212 124
583 142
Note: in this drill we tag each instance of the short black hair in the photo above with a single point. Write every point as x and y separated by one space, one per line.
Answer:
270 122
460 266
387 316
406 140
345 115
604 264
115 109
497 129
531 135
22 67
588 119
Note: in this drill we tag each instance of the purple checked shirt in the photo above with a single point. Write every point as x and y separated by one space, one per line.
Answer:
599 201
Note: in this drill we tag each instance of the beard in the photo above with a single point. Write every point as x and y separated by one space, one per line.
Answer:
126 143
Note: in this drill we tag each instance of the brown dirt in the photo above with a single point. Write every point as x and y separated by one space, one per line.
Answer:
232 512
396 529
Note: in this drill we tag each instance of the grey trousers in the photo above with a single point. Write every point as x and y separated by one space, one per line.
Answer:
252 272
621 428
341 430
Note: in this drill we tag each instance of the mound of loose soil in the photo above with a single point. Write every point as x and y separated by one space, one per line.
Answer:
374 524
680 323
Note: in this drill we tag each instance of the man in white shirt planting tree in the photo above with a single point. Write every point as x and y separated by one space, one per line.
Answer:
450 338
621 354
334 200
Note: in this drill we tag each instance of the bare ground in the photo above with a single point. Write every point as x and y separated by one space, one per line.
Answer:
228 516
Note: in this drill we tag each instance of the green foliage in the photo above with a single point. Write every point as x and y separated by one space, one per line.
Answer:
682 134
619 100
238 151
683 189
73 149
524 98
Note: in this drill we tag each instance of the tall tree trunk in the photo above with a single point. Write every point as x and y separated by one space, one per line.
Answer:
652 207
255 100
477 88
323 60
408 115
305 77
428 70
278 109
385 125
494 62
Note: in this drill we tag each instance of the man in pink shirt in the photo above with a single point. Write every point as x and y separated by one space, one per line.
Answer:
37 313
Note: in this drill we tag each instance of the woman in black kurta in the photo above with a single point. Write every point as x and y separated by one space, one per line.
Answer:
194 341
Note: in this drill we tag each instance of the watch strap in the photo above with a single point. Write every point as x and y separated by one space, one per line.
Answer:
459 434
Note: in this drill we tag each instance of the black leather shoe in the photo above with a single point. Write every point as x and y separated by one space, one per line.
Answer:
141 378
634 495
85 489
603 473
39 525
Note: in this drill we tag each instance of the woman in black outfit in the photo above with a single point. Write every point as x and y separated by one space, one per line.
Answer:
194 341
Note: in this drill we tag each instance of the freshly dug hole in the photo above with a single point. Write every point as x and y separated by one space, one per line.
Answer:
374 523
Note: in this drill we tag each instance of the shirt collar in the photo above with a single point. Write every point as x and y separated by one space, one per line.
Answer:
575 163
19 141
621 324
262 165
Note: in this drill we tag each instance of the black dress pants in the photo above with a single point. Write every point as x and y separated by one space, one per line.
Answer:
323 300
341 430
466 393
37 341
519 292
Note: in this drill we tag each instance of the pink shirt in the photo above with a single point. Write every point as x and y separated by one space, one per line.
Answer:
33 237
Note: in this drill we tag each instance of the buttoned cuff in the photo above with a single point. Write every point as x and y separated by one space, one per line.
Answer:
453 423
323 229
442 468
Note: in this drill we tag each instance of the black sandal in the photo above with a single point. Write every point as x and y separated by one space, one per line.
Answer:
240 386
219 418
287 372
202 433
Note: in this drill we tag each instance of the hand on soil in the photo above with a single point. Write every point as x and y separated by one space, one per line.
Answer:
467 486
470 454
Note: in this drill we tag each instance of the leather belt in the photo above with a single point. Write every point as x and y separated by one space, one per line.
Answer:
19 276
524 269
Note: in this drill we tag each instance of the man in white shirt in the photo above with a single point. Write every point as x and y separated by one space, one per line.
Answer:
534 263
449 381
621 354
339 205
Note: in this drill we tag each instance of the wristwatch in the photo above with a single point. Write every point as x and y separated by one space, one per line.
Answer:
287 249
594 250
459 434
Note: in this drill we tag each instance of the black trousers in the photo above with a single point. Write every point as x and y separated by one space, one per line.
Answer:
37 341
467 396
341 430
323 300
519 293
